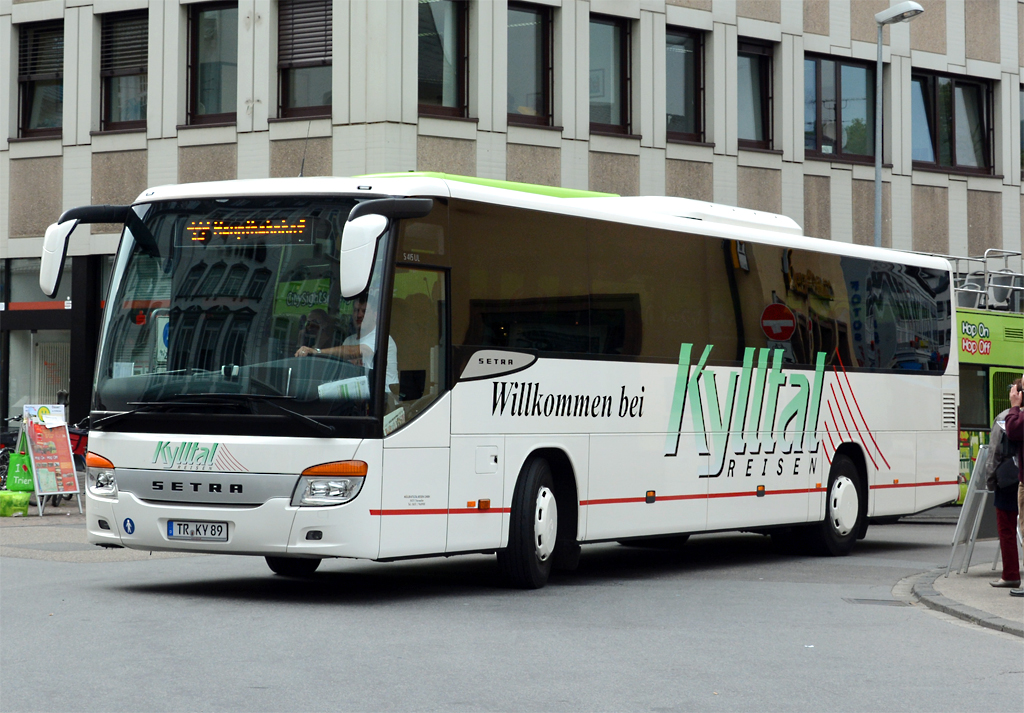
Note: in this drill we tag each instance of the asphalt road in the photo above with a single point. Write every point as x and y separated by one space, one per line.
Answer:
725 624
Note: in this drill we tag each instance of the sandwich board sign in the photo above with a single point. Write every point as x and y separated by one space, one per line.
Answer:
45 432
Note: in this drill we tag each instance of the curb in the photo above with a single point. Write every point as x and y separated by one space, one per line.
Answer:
923 590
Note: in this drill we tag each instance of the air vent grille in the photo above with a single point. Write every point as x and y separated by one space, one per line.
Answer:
1013 334
948 410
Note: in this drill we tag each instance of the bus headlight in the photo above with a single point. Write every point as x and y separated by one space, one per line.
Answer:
99 477
330 483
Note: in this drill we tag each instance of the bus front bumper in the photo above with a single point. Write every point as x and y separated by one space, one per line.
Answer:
274 528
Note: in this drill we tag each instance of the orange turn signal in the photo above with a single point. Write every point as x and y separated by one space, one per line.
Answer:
484 504
343 468
94 461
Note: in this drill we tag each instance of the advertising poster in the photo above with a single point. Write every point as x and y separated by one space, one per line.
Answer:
50 450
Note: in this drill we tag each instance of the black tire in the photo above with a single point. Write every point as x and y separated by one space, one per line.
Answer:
845 510
293 566
669 542
533 528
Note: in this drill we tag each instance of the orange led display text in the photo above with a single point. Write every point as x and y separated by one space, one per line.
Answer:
203 231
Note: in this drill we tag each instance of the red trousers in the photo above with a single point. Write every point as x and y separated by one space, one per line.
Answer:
1006 522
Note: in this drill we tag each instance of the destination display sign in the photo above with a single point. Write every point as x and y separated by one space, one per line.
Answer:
282 231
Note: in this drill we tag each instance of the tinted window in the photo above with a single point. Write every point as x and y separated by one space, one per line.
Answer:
547 283
519 279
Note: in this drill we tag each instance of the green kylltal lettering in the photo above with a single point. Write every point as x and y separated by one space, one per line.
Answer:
753 421
719 416
794 413
684 383
742 403
810 438
776 380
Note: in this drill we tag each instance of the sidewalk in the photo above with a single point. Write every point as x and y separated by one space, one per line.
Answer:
968 596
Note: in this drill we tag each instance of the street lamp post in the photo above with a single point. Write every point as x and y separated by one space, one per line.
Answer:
897 13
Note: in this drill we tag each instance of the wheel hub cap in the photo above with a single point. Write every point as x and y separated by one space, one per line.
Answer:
545 524
843 505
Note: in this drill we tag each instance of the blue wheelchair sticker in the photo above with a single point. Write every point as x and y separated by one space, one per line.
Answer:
129 526
167 333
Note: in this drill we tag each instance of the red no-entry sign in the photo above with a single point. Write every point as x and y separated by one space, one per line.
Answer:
778 322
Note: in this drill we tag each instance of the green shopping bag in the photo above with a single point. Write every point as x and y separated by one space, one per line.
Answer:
19 472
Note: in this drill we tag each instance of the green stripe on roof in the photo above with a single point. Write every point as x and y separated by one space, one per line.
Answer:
552 191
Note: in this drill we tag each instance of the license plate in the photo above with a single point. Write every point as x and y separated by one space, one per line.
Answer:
192 530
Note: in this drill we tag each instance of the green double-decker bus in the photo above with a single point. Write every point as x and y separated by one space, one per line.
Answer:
991 351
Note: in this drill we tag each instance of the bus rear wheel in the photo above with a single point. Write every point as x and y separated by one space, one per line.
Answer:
533 528
293 566
845 510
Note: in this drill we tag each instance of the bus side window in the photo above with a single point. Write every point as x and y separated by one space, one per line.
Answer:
417 328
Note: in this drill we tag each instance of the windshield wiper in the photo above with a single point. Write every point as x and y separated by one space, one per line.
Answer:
211 399
270 400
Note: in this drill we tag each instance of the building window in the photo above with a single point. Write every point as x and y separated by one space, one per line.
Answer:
213 63
951 122
754 95
529 65
41 78
839 109
442 57
304 57
685 85
124 53
609 75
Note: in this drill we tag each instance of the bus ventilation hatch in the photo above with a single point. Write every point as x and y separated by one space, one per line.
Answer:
948 410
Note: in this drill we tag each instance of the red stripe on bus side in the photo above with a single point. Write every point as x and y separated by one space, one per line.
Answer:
663 498
913 485
438 511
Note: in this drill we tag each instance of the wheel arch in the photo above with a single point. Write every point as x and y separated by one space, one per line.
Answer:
566 489
855 453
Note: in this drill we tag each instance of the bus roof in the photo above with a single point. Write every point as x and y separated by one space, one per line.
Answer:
663 212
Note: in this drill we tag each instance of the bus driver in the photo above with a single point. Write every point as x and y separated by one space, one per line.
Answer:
358 346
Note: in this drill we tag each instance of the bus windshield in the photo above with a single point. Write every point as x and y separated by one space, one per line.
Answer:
234 304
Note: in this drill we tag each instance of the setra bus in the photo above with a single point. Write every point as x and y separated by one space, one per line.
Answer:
410 365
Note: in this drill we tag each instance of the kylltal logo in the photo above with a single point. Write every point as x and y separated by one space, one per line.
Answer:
745 411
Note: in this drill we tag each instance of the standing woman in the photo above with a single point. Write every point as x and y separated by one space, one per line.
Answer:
1015 432
1001 471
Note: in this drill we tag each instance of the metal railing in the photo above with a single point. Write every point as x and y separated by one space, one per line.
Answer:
988 281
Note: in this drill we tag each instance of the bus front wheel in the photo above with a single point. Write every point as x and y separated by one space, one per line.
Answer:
293 566
533 528
845 510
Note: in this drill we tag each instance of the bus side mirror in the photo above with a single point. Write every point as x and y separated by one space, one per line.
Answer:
358 246
55 250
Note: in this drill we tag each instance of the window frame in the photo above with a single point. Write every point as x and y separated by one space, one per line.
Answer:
626 82
547 61
106 74
27 84
697 137
763 49
192 70
462 36
283 73
988 104
839 154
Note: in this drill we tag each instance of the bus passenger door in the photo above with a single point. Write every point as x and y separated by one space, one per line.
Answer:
417 420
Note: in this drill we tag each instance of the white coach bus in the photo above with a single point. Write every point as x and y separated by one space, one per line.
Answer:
410 365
